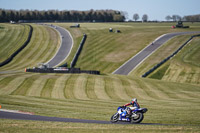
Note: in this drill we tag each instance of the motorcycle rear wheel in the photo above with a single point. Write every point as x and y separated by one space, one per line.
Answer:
138 118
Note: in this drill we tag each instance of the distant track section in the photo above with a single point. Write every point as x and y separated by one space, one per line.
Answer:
136 60
65 47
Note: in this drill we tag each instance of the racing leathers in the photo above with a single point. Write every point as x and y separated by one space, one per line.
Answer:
134 106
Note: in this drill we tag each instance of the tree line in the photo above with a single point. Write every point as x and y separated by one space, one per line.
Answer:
190 18
65 15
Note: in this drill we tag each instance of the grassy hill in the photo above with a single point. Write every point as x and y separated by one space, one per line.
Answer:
12 36
98 96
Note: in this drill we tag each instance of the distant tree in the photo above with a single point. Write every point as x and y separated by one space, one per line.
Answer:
192 18
12 16
145 18
168 17
125 14
135 17
66 16
179 18
176 18
3 16
118 18
28 16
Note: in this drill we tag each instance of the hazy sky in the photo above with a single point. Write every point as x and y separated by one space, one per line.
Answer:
155 9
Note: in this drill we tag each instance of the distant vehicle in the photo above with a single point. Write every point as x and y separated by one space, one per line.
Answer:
75 26
180 25
12 22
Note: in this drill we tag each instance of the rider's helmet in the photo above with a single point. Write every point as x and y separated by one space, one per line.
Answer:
134 100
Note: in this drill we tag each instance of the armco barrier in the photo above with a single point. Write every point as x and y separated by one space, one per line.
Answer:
67 70
73 63
169 57
18 50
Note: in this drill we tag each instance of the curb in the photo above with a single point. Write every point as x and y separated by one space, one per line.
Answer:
17 111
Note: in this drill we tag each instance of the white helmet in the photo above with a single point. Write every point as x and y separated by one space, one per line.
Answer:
134 99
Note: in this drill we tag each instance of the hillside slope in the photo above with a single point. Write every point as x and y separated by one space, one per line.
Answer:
12 37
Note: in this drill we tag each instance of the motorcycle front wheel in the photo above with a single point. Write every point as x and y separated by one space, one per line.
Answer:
138 118
114 118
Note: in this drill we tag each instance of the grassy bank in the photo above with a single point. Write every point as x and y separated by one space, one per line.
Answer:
99 96
12 37
58 127
183 68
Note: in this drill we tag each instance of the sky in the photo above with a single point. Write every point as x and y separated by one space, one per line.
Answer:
155 9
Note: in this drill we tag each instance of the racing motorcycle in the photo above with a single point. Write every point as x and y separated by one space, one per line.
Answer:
134 116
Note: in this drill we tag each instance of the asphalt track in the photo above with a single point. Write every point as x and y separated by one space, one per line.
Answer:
21 116
136 60
65 47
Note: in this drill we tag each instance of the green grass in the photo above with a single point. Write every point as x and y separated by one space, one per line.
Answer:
96 97
58 127
99 101
159 74
191 55
12 37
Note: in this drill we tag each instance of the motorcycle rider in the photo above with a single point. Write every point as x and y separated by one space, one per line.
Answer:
134 104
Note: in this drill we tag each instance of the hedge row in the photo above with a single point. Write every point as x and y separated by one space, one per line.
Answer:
18 50
169 57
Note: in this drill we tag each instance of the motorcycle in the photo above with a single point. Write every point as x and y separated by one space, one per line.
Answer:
134 116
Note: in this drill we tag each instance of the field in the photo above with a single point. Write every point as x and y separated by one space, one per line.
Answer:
97 97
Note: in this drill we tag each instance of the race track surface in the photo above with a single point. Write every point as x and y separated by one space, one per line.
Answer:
132 63
65 47
21 116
